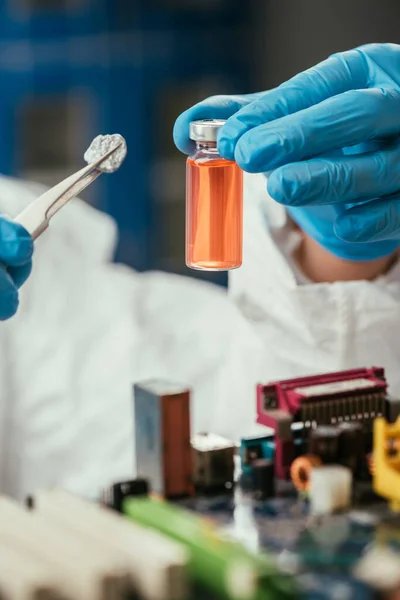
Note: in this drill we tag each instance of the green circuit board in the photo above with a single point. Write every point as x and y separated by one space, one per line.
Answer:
320 552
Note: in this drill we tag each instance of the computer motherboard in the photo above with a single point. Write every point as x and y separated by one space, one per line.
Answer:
308 509
307 495
323 553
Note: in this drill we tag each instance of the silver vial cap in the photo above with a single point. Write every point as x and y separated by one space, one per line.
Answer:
205 130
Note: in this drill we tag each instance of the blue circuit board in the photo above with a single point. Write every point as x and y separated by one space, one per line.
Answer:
321 552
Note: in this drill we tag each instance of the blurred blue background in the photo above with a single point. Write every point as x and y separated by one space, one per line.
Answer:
71 69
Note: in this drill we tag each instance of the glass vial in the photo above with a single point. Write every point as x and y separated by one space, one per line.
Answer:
214 203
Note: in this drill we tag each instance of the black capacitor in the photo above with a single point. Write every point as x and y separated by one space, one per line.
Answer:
324 443
263 477
115 495
351 444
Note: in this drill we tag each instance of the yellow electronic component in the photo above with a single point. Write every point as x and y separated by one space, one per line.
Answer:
386 475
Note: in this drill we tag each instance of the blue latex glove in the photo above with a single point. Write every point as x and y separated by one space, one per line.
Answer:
331 137
16 248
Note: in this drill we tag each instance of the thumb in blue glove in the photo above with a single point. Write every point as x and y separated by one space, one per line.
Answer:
16 248
216 107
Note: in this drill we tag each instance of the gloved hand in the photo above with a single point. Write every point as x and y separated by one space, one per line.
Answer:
331 137
16 248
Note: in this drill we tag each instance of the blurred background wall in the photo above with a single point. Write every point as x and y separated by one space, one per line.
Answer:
71 69
293 35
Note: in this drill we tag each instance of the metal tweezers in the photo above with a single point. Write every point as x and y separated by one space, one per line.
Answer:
36 216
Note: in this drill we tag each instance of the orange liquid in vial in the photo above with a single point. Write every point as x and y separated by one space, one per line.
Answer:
214 214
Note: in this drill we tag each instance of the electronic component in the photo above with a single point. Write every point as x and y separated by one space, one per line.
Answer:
324 442
380 568
255 447
162 437
392 408
386 461
351 445
66 548
329 399
392 446
330 488
221 566
370 463
88 571
213 462
334 587
300 471
263 478
24 576
156 565
114 495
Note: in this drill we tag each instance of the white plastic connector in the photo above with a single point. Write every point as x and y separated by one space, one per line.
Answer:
330 489
380 569
156 564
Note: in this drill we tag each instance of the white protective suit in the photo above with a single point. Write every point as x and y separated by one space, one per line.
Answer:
87 329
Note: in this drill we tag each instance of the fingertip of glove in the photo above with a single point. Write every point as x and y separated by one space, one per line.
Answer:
282 189
227 139
16 243
23 244
9 297
25 241
275 188
257 151
20 274
180 134
244 157
226 147
9 309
